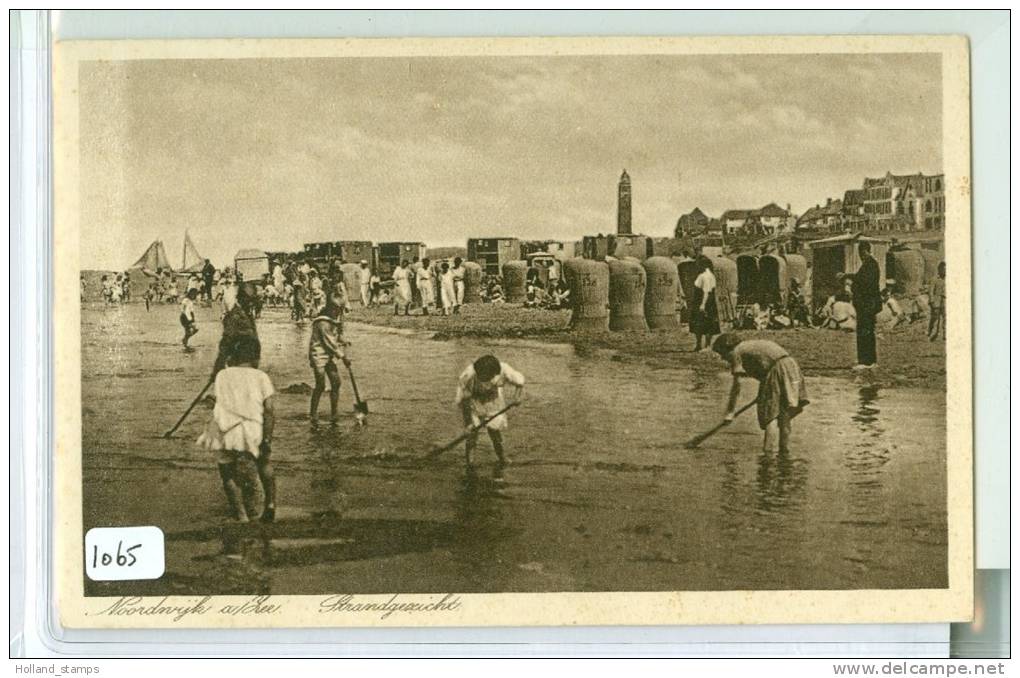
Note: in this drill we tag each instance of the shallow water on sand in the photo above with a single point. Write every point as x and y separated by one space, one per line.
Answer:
601 496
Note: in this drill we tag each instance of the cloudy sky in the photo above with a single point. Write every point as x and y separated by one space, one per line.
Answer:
272 153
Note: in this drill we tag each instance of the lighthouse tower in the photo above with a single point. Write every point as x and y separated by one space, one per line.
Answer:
623 204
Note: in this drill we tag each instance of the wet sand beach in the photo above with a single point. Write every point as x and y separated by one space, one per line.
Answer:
602 495
906 357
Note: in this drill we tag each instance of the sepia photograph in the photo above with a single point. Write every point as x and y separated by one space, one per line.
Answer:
379 323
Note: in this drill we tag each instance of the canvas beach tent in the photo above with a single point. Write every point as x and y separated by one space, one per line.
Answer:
251 264
832 258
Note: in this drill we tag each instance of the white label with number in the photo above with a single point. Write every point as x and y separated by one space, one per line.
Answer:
119 553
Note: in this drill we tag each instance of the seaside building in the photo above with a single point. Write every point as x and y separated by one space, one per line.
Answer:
828 217
694 222
894 202
763 221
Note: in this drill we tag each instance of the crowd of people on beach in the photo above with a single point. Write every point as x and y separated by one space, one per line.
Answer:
241 428
857 307
115 288
840 313
422 285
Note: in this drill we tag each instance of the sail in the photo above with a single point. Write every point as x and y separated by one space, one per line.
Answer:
154 258
191 260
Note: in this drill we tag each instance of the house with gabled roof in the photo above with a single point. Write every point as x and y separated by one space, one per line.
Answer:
765 220
828 217
902 202
692 223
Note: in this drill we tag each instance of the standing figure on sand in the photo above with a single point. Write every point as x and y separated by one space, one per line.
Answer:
365 284
458 283
188 317
402 294
426 287
704 322
447 288
241 431
937 299
781 390
237 322
867 300
325 346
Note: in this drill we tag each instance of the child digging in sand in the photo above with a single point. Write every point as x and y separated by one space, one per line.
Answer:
480 395
188 316
241 430
781 391
324 347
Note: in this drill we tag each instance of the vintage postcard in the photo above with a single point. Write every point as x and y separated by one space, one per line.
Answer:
512 332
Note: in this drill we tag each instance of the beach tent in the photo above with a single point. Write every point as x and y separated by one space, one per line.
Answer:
932 258
747 280
773 279
796 268
907 268
726 287
688 271
251 264
835 256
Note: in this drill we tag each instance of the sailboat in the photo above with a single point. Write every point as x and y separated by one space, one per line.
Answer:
154 258
191 260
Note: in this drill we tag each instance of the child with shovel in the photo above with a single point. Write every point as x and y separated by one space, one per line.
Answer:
781 391
482 400
241 430
324 348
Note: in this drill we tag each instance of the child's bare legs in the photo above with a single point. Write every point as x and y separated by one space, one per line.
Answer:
469 447
502 459
317 391
264 466
245 472
784 431
497 445
937 322
321 374
771 443
232 491
334 391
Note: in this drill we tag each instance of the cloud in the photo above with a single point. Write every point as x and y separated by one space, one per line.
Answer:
276 152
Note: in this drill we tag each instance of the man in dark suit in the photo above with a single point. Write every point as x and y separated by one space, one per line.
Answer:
208 271
867 302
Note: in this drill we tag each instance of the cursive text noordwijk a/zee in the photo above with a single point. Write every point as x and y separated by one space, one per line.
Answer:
138 606
349 603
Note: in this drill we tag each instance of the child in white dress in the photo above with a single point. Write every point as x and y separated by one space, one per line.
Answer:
241 430
481 396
